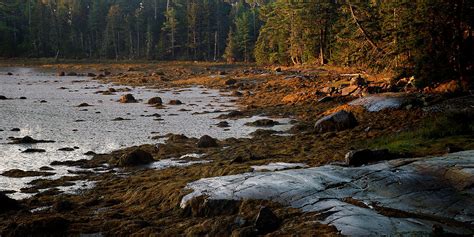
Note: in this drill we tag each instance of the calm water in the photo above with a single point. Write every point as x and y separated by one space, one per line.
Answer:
57 119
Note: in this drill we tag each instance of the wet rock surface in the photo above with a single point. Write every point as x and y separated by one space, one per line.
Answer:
393 197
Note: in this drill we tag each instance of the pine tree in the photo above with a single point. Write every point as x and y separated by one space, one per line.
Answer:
231 50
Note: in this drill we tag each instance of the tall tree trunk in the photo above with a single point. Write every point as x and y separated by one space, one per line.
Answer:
364 32
321 46
215 46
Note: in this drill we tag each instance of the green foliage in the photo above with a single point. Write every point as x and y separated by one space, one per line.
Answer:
434 133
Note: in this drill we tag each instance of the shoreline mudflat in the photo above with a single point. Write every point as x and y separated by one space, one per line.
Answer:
143 200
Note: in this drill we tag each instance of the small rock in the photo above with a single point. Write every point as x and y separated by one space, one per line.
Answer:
175 102
136 157
234 113
366 156
84 105
155 101
17 173
177 138
71 74
119 119
66 149
266 221
31 150
28 140
43 101
90 74
15 130
223 124
9 74
206 142
338 121
128 98
61 74
263 123
112 90
22 98
3 97
277 69
89 153
230 82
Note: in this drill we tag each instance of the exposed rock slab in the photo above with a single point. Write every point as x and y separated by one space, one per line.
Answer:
422 193
278 166
375 103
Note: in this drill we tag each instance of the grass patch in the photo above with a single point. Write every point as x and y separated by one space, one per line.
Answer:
432 137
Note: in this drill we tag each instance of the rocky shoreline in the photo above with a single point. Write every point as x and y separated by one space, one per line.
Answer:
140 190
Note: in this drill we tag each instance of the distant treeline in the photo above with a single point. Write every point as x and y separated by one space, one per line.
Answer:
430 39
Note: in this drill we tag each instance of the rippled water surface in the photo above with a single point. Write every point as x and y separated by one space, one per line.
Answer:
60 119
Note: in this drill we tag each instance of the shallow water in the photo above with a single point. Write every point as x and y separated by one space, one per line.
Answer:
57 119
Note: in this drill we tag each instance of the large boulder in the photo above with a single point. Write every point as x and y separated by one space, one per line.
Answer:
7 204
266 221
338 121
206 142
128 98
366 156
155 101
136 157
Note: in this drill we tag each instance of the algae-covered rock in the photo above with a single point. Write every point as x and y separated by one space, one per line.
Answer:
263 123
136 157
206 142
366 156
128 98
7 204
155 101
266 221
